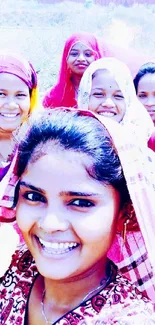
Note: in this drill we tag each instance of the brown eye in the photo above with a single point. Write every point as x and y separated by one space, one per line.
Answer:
34 197
88 54
83 203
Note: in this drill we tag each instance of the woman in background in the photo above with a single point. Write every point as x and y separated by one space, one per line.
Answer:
18 98
107 89
144 82
80 50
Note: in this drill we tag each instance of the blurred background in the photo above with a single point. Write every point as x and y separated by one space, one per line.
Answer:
38 29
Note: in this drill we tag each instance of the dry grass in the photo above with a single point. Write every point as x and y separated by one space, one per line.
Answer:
39 32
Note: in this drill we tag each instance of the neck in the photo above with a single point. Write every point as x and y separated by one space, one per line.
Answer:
68 293
75 79
5 134
5 148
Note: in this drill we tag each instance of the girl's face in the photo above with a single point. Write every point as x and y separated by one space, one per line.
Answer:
67 218
146 93
106 98
14 101
79 58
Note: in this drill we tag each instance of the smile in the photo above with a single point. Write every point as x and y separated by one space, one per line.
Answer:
106 113
56 248
10 115
80 65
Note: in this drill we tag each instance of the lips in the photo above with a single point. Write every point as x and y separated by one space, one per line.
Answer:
81 65
56 248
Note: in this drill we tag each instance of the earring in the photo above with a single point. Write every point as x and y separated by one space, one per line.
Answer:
125 229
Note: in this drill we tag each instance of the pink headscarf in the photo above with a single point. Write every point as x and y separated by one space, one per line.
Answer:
18 66
63 93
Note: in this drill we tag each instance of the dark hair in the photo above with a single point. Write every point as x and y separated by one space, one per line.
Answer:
146 68
73 131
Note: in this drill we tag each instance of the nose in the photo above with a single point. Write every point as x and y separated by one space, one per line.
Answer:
51 222
81 57
108 102
11 103
150 101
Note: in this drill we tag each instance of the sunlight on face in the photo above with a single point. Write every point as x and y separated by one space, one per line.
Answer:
65 215
80 57
146 93
14 101
106 98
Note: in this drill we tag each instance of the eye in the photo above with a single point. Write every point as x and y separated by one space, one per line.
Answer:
88 54
81 203
21 95
98 94
117 96
142 95
34 197
73 54
2 94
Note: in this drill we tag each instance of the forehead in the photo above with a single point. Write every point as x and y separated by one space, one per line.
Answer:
148 80
103 78
67 170
79 46
7 80
53 148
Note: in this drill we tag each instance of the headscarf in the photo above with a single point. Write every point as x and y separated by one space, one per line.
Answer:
18 66
136 115
135 257
63 93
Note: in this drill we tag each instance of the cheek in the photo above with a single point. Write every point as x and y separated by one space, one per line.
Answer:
97 226
25 106
24 217
92 59
122 107
94 103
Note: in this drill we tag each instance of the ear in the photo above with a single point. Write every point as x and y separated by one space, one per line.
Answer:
127 219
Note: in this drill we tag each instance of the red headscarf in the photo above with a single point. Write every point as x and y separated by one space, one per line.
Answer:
63 93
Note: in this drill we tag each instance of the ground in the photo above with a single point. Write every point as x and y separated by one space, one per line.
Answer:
39 30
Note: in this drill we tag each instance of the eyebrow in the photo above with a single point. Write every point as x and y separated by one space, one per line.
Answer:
21 91
68 193
32 187
72 193
99 88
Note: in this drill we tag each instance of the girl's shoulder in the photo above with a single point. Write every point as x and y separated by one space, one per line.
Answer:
16 285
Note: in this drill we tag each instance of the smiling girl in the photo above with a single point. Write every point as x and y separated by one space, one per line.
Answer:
18 98
80 50
107 89
69 217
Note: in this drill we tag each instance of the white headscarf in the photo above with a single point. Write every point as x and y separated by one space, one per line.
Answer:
136 115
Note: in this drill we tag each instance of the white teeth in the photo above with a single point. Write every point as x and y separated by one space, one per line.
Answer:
9 115
57 246
108 114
